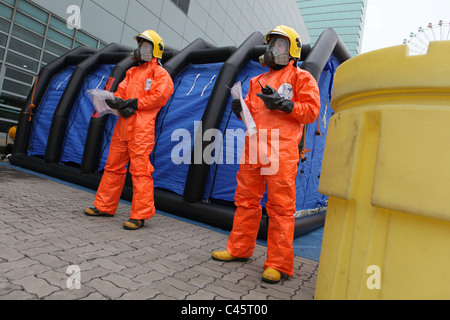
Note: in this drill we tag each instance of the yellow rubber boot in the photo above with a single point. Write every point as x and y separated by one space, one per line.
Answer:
271 275
133 224
223 256
94 212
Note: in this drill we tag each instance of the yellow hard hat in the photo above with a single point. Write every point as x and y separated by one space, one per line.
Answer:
153 37
12 132
295 43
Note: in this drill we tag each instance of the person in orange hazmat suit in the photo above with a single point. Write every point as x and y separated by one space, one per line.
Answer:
282 100
139 97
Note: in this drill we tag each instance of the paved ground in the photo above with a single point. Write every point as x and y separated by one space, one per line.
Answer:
48 245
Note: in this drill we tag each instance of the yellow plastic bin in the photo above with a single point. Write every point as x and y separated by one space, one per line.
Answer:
386 170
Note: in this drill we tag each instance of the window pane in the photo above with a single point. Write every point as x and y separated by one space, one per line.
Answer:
184 5
48 57
55 48
33 11
16 87
11 2
11 100
61 26
24 48
21 61
19 75
2 52
4 25
27 36
6 117
29 23
10 114
84 38
59 38
3 39
5 11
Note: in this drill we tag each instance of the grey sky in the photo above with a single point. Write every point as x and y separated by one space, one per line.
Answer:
388 22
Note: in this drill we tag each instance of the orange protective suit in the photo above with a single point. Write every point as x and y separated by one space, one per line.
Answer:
133 140
281 184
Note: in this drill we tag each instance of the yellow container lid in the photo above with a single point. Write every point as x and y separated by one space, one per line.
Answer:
392 71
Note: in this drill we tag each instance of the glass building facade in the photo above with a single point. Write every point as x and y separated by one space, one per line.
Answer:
346 17
30 37
35 32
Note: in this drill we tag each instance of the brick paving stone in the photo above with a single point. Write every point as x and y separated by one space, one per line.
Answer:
95 273
36 286
170 291
182 285
201 280
149 278
20 273
14 265
6 288
19 295
202 295
223 291
50 260
106 288
143 293
9 254
303 295
122 281
95 296
254 295
74 294
57 278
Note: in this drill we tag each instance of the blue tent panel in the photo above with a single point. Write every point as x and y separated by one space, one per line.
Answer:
80 115
177 124
45 111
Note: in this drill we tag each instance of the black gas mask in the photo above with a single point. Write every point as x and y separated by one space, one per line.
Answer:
277 53
144 52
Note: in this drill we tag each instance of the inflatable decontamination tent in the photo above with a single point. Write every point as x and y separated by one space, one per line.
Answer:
198 141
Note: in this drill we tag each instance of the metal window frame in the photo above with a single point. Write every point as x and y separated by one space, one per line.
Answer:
3 64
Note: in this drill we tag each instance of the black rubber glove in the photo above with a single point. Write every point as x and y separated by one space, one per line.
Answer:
115 103
236 107
126 112
274 101
286 106
118 103
131 103
126 107
129 108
